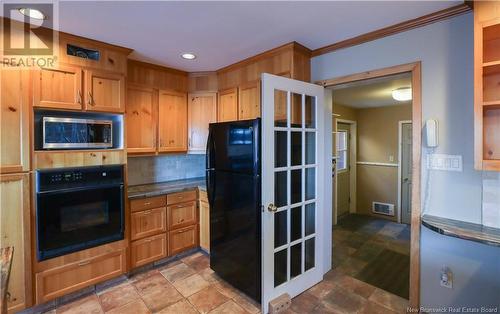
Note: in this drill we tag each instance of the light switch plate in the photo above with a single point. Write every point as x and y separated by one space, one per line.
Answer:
444 162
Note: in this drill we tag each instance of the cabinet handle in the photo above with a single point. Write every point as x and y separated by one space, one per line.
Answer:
148 240
147 212
91 99
83 263
147 203
181 231
181 220
79 97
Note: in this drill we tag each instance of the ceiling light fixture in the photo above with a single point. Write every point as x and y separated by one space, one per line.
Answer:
188 56
33 13
402 94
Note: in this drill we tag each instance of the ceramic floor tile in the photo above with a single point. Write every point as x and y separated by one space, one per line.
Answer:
177 272
161 297
191 285
117 296
356 286
209 275
181 307
230 307
247 304
321 289
374 308
134 307
304 303
341 300
389 300
151 284
87 305
198 263
226 289
207 299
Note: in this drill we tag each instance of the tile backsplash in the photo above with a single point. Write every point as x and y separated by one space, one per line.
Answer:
151 169
491 199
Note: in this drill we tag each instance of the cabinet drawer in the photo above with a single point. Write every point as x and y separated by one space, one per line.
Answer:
148 250
182 215
181 197
147 203
182 239
147 223
56 282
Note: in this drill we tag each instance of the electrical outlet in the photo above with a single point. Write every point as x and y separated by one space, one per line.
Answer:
444 162
446 279
391 158
280 304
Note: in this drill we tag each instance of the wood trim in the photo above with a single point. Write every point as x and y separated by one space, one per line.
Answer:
266 54
396 28
416 72
156 67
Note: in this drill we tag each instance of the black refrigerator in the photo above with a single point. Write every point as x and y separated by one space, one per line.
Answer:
234 193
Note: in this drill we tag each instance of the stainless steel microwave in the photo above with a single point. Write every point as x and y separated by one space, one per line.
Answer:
74 133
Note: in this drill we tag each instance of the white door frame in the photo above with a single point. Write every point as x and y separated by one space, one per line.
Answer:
400 153
352 161
295 286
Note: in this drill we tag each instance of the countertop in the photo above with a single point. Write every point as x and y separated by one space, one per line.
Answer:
161 188
463 230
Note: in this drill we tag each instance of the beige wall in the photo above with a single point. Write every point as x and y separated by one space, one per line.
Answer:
377 140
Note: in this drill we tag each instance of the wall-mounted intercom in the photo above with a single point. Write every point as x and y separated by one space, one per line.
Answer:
431 133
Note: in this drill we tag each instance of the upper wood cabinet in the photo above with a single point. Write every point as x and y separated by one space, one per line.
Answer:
227 109
104 91
14 121
172 121
59 87
141 119
202 110
15 232
486 85
249 100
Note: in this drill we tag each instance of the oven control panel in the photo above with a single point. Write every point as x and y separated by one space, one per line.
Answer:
66 177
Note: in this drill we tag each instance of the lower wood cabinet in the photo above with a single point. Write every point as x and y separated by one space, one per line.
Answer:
148 223
148 250
182 215
183 239
59 281
204 222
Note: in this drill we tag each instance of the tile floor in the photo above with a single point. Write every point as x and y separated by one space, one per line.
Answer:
188 285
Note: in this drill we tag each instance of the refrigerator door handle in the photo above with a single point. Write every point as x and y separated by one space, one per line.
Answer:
209 177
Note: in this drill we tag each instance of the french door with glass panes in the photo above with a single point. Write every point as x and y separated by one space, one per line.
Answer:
293 170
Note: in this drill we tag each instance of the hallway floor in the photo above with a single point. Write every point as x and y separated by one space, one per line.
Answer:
189 286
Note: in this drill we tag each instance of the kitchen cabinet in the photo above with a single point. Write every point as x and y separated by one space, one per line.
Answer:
227 109
182 239
148 250
15 232
65 279
202 110
172 121
147 203
60 87
14 121
182 215
486 82
104 91
249 100
181 197
78 158
141 119
204 222
147 223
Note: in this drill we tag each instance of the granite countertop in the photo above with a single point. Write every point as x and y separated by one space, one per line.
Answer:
463 230
161 188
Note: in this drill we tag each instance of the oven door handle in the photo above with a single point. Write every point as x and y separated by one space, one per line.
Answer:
86 188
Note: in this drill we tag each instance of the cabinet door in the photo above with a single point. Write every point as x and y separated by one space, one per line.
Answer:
204 225
104 91
148 250
228 105
249 101
182 239
182 215
141 119
148 223
172 121
202 110
14 121
60 87
15 232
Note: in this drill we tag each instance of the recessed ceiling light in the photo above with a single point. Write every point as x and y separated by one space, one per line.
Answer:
33 13
402 94
188 56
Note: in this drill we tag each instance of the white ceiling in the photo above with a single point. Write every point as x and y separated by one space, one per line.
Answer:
371 93
222 33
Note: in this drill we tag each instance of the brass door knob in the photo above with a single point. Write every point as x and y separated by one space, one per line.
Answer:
272 208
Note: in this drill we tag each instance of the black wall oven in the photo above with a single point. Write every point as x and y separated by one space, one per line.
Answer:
78 208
